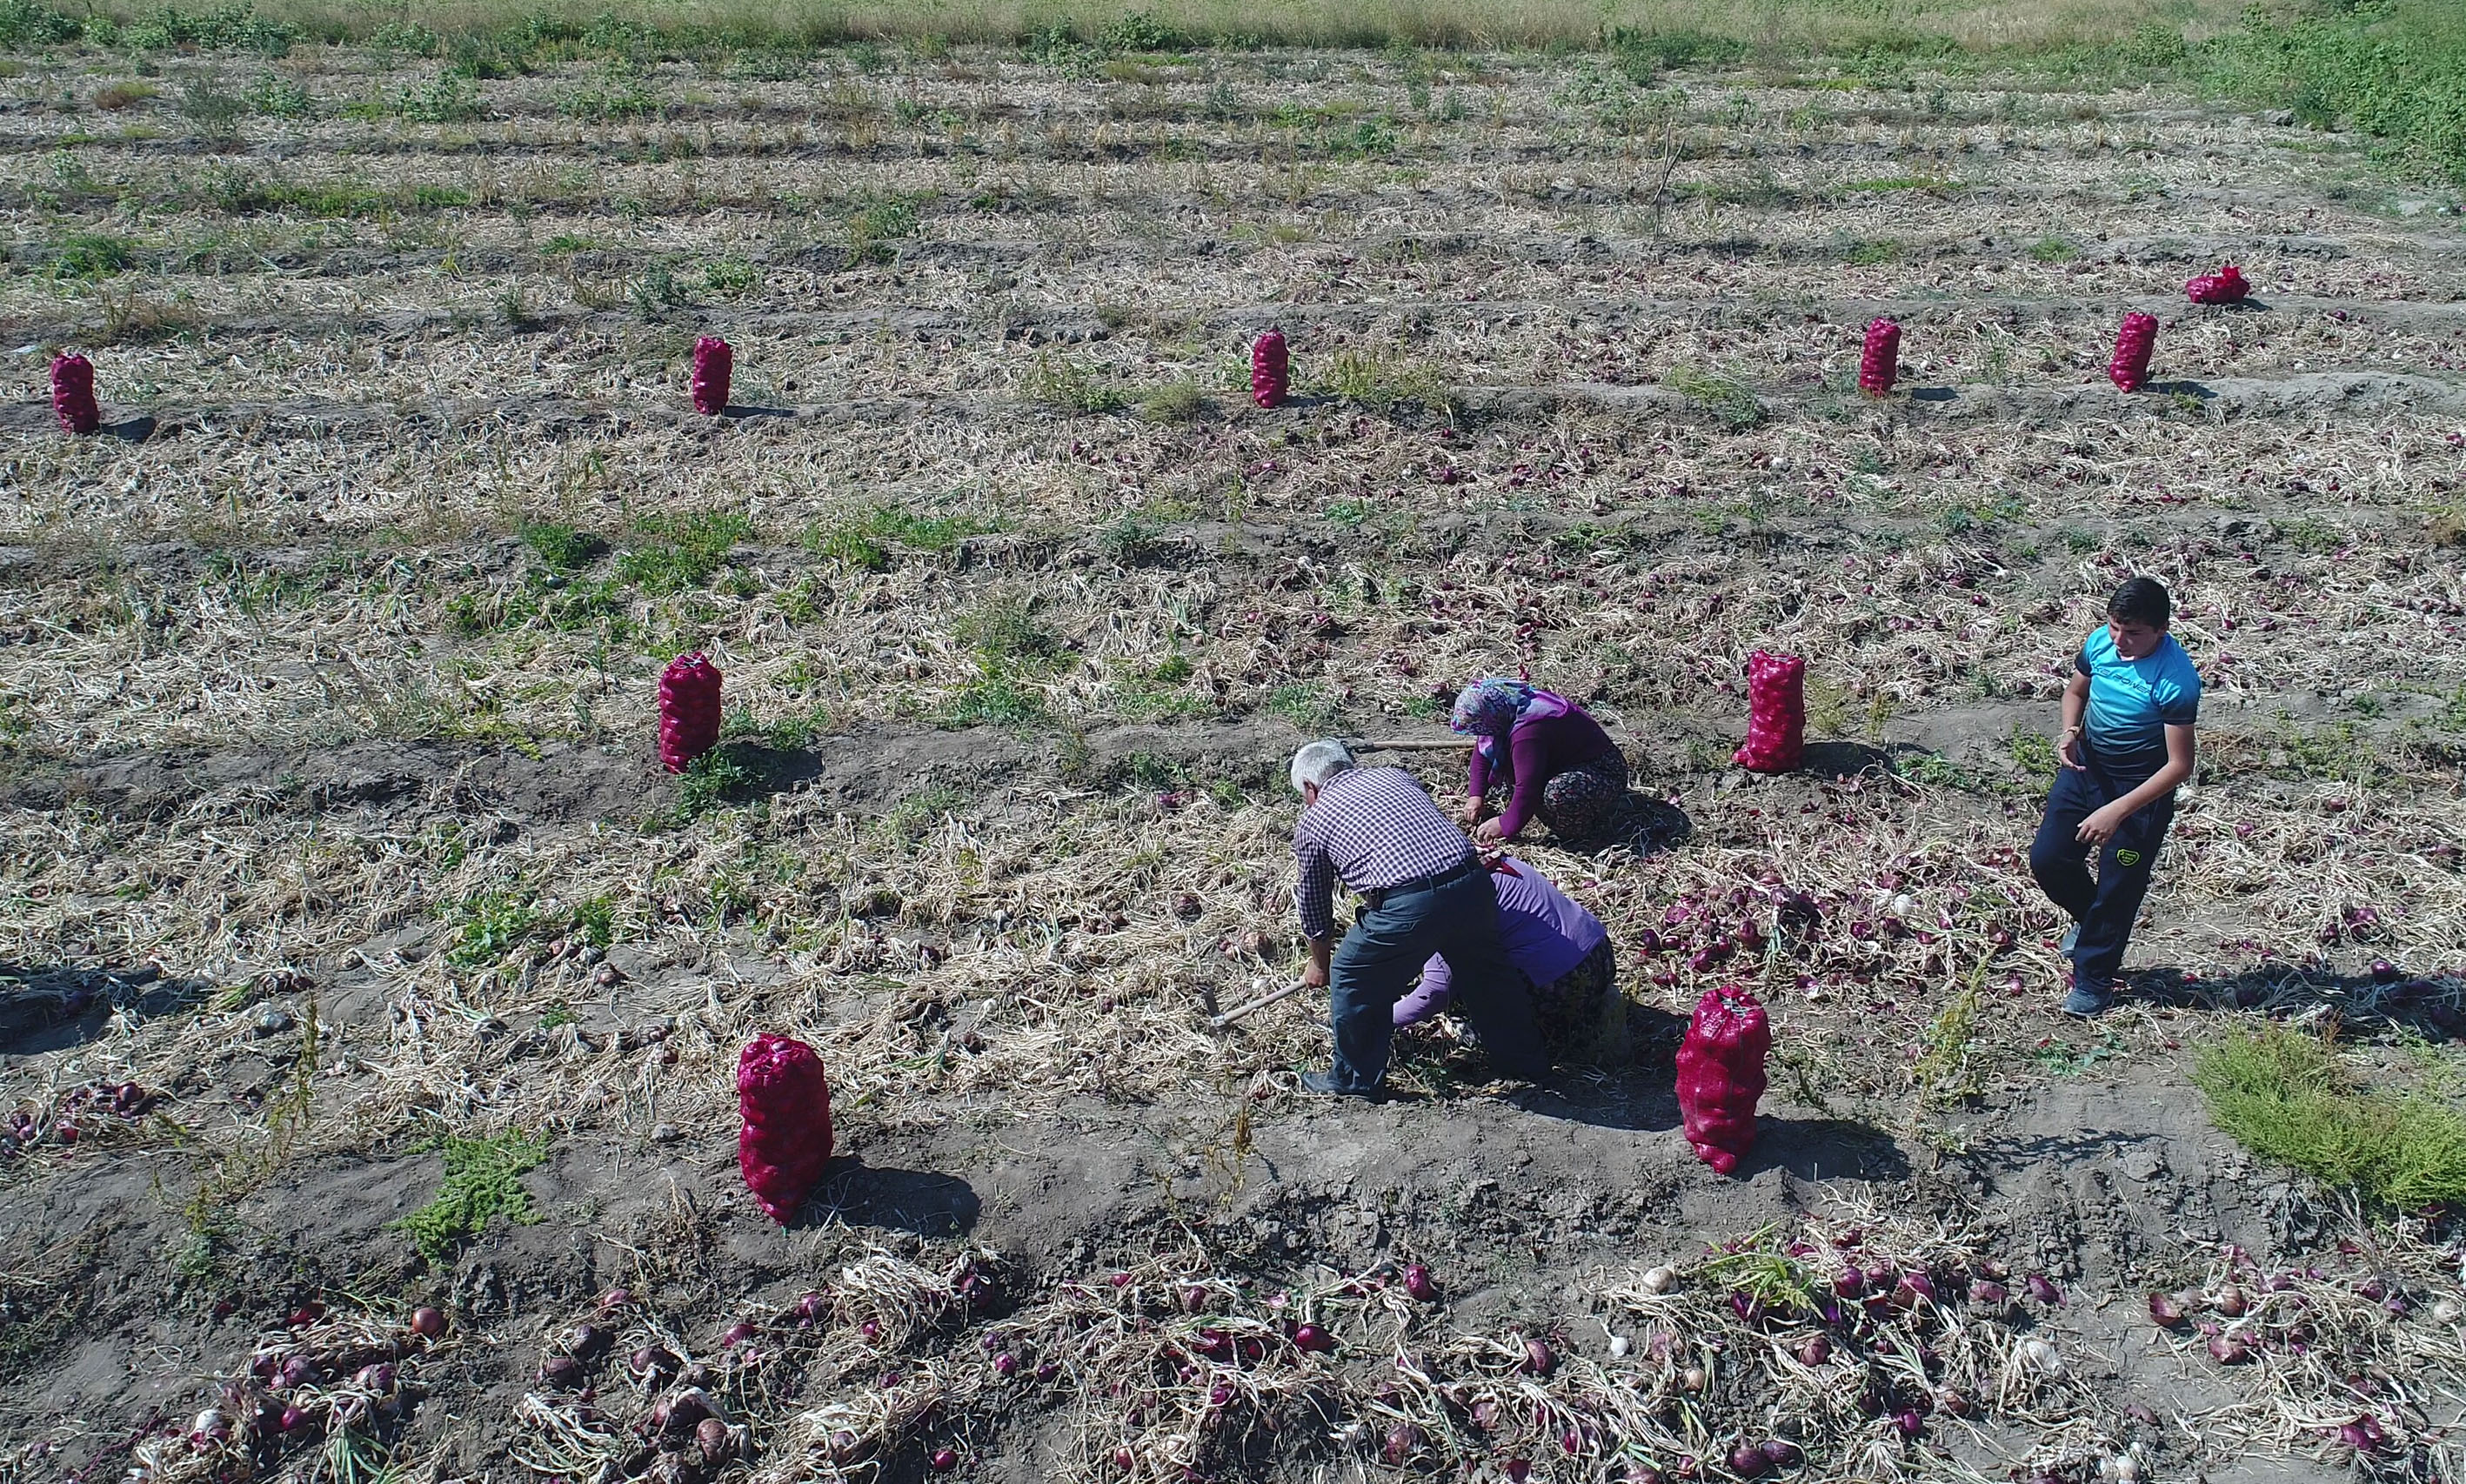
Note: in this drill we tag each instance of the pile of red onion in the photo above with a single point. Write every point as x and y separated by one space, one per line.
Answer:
786 1140
1722 1075
2225 286
1270 372
2130 368
73 394
1879 363
688 710
1776 713
712 362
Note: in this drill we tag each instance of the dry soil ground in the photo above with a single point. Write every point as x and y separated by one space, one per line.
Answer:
331 823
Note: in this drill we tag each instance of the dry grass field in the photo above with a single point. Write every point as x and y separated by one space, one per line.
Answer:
357 957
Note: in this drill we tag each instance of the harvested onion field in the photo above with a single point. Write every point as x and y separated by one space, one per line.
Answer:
359 959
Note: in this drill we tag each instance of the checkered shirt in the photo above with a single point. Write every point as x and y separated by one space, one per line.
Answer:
1371 828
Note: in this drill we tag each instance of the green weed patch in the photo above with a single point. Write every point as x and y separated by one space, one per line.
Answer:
482 1183
2286 1096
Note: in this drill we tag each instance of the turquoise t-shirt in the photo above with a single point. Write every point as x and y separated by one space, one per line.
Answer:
2133 702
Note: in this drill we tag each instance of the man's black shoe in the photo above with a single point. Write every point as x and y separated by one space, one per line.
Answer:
1324 1084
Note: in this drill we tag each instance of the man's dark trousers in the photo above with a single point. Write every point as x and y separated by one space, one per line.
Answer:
2105 905
1457 920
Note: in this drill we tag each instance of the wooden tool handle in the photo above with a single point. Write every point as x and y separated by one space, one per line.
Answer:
1260 1004
1415 744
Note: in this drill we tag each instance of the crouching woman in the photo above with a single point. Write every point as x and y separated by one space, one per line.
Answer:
1564 957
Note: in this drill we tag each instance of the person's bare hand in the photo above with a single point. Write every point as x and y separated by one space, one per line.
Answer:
2100 827
2068 748
1491 830
1471 812
1313 974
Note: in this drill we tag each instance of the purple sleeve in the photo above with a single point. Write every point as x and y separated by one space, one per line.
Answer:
1477 772
1427 998
1529 752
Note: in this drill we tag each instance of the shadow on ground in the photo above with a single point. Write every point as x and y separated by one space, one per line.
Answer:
54 1006
921 1202
2433 1006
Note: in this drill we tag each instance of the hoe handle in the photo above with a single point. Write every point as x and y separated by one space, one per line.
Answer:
1260 1004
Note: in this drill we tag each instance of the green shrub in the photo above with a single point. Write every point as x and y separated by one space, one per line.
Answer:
225 28
489 925
2395 69
30 23
1069 387
482 1182
443 99
2286 1096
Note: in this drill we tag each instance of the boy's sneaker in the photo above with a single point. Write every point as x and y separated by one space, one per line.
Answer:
2088 997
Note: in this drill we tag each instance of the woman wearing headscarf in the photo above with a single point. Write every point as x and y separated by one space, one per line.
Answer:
1554 761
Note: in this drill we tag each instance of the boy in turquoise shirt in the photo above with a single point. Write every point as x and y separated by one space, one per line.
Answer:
2127 746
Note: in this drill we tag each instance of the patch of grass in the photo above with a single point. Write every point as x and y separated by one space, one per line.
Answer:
1724 397
992 700
868 541
1382 384
1179 401
876 223
2055 249
682 552
92 254
1307 706
2286 1096
731 278
482 1183
559 546
1003 626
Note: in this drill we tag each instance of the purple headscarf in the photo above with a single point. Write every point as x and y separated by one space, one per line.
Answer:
1490 708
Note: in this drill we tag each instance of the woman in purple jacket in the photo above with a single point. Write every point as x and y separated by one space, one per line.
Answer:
1563 955
1554 760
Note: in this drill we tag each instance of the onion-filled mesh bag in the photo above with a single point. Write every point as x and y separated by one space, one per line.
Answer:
2225 286
1721 1073
712 362
1270 370
2130 368
1776 713
688 710
786 1140
73 394
1879 363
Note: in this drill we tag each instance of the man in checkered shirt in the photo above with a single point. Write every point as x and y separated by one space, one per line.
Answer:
1424 891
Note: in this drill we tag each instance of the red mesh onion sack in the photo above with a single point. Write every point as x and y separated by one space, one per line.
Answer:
688 710
786 1140
1879 363
2225 286
2130 368
1270 371
73 394
1721 1073
1776 713
712 362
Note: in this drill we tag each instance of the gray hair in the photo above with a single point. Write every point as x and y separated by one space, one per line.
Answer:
1319 761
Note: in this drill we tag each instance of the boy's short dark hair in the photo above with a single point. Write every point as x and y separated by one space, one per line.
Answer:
2143 601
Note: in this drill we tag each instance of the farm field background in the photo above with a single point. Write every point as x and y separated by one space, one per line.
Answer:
354 933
